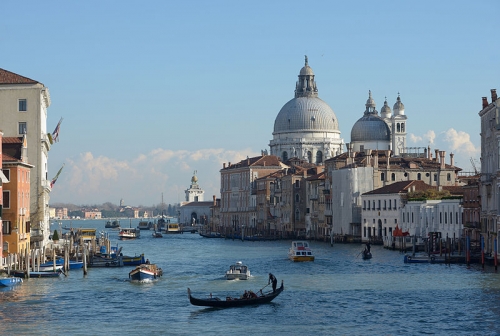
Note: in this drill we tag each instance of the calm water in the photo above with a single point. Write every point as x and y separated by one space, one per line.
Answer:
338 294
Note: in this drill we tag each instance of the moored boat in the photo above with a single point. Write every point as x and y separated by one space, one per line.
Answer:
129 233
10 281
238 271
236 302
134 261
300 251
143 225
37 274
173 228
112 224
423 259
157 234
97 261
145 272
73 264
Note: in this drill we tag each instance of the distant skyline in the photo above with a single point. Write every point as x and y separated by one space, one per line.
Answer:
151 92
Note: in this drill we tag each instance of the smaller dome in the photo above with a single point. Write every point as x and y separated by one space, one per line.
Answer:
399 106
386 110
194 179
370 102
370 128
306 71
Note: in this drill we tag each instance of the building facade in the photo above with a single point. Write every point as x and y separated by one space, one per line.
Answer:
16 195
24 106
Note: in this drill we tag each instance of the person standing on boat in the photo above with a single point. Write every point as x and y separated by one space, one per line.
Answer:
368 246
273 280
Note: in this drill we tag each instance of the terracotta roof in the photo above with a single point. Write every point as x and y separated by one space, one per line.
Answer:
8 158
7 77
12 140
263 161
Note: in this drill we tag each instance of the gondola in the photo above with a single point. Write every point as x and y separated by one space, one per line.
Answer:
366 255
235 302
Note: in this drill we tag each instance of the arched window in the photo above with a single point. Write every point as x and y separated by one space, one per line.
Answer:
309 156
419 176
402 127
297 214
285 156
319 157
393 177
398 127
448 177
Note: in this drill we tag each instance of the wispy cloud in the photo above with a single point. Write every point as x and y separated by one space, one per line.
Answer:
141 180
427 137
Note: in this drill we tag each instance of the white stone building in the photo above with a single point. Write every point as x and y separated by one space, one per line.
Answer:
23 110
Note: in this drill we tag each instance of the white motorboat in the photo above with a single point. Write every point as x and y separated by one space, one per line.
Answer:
300 251
238 271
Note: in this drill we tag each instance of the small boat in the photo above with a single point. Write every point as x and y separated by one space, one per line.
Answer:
366 254
134 261
143 225
112 224
235 302
145 272
238 271
10 281
52 274
129 233
97 261
157 234
423 259
173 228
300 251
50 268
60 262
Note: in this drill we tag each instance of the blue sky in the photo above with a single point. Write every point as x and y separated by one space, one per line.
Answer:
152 91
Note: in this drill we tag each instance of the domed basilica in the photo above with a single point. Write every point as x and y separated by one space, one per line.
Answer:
307 128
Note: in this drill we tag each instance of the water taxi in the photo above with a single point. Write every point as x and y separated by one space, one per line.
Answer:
173 228
129 233
300 251
238 271
143 225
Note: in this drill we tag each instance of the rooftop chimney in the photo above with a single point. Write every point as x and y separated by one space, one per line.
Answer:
451 160
442 154
437 155
493 95
485 102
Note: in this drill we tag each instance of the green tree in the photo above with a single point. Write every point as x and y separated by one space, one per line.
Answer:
55 236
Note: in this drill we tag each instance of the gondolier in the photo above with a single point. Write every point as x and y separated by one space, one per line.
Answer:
273 280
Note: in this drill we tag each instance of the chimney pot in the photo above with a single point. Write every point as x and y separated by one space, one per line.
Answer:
493 95
485 102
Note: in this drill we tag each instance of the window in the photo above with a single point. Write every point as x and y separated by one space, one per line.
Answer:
319 157
435 177
297 214
448 177
23 128
6 227
378 205
385 204
419 176
382 177
285 156
6 173
393 177
6 199
23 105
364 205
297 184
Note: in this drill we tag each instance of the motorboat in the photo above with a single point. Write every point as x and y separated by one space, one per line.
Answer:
129 233
300 251
134 261
145 272
112 224
143 225
238 271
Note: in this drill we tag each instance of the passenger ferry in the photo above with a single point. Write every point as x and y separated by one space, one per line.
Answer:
173 228
129 233
300 251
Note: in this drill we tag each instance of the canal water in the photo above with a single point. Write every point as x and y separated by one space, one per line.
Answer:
337 294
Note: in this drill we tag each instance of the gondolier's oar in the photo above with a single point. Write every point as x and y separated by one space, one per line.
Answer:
263 288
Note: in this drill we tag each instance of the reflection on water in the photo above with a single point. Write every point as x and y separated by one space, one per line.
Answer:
338 293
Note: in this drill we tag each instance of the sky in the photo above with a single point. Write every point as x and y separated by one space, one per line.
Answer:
152 91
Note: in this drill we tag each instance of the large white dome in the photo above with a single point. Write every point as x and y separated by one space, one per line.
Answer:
305 114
